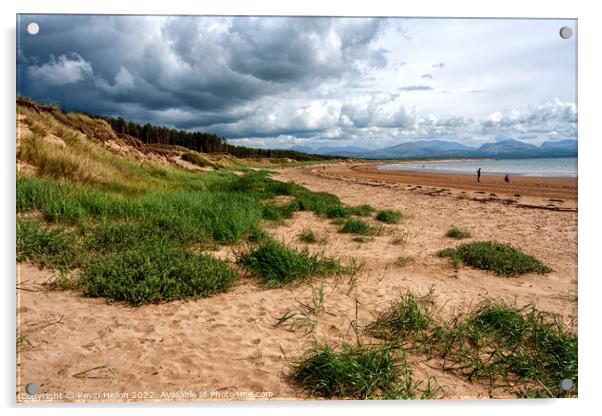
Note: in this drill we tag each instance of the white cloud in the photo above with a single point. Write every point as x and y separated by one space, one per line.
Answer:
377 110
554 118
62 71
124 81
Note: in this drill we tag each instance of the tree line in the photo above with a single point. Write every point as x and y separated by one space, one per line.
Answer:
200 141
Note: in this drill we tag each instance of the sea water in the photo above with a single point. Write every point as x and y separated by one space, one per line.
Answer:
554 167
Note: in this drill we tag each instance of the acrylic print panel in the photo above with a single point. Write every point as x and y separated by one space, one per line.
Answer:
267 208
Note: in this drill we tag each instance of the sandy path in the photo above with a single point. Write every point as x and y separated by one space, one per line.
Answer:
228 343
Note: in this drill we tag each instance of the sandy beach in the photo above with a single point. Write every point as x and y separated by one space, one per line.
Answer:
228 347
541 189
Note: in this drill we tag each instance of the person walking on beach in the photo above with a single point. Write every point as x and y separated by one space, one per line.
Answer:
506 179
479 175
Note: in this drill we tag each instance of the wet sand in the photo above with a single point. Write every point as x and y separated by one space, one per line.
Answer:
525 186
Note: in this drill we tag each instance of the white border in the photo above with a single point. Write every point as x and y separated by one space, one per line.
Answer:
590 117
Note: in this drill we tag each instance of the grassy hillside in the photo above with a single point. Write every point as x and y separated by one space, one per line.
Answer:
122 221
163 140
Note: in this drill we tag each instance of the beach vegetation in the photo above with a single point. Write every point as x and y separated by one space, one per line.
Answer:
458 233
308 236
389 216
82 208
353 226
155 273
197 160
519 349
277 265
502 259
357 372
407 315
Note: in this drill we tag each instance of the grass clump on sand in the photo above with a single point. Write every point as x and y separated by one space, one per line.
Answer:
458 233
354 372
522 348
503 259
518 349
155 273
353 226
308 236
341 211
362 210
407 315
278 264
389 216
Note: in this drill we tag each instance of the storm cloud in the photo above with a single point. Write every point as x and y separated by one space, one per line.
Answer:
281 81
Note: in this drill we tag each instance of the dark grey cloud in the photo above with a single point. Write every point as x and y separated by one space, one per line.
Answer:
311 47
140 66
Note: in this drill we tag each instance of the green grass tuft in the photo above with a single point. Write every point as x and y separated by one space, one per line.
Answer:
362 210
500 258
352 372
389 216
155 273
521 347
458 233
308 236
522 350
407 315
278 212
353 226
278 264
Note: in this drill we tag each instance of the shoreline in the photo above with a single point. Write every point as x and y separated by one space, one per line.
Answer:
442 162
444 172
538 187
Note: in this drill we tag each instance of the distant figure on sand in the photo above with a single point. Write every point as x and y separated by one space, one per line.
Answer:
479 175
506 179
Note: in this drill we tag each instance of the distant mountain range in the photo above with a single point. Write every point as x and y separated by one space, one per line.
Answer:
337 151
503 149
